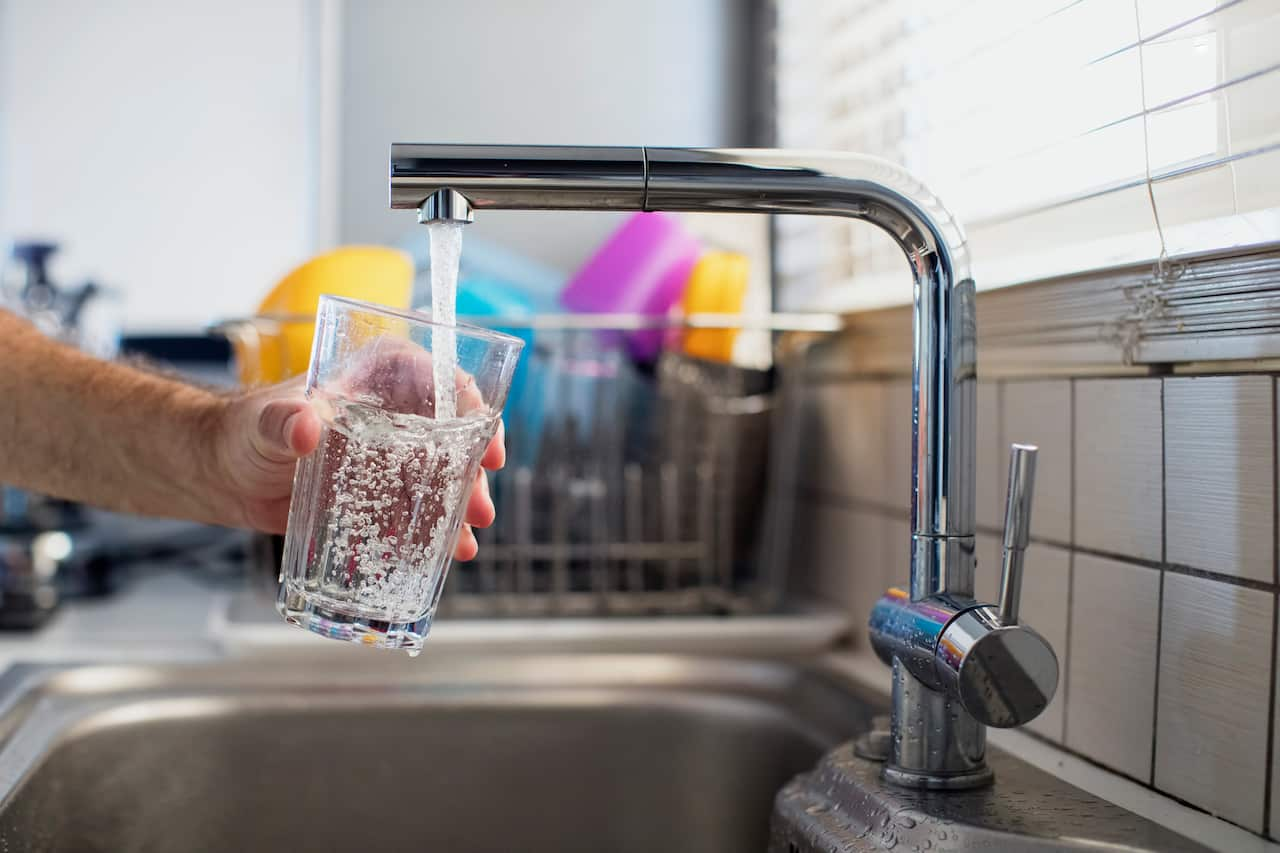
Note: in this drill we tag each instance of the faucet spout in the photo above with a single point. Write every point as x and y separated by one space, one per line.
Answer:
446 206
821 184
521 177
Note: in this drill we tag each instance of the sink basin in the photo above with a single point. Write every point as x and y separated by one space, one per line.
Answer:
591 753
469 752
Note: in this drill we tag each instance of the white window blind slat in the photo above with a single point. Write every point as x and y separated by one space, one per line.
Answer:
1038 122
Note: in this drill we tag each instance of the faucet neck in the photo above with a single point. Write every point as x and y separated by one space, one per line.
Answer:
518 177
937 743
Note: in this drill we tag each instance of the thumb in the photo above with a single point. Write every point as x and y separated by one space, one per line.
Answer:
286 430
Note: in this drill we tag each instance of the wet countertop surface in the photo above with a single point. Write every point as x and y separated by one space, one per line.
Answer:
158 615
165 614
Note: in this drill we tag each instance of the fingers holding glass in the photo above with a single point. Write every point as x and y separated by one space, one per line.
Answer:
393 490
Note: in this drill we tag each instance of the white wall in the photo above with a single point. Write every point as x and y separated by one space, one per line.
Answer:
164 143
604 72
190 151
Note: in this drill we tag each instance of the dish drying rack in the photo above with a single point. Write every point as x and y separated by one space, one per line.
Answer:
634 490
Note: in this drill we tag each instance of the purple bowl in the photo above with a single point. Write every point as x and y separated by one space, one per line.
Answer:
641 269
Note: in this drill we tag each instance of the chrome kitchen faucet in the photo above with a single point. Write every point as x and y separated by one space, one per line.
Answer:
958 665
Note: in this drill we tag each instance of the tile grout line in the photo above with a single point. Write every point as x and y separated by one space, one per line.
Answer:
860 504
1205 574
1002 444
1001 440
1150 371
1155 704
1268 787
1269 780
863 505
1071 554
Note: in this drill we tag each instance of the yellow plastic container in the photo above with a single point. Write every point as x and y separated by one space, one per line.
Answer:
276 344
372 273
269 349
717 285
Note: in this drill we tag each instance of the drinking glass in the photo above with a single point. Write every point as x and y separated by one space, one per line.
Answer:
377 508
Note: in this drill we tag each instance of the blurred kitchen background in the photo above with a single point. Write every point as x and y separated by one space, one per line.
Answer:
223 145
191 153
1117 168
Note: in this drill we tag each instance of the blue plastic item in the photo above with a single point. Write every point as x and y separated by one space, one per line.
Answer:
486 297
481 297
536 284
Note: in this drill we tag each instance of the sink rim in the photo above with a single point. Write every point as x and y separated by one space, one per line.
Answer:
531 671
774 718
43 705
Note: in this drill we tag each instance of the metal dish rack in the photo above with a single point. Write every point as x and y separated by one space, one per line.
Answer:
631 490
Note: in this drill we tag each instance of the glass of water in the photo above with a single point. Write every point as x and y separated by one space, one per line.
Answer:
409 407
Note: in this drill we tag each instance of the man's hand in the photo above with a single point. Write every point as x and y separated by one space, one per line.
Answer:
261 435
126 439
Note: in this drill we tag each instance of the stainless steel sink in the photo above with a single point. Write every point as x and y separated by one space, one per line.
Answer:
466 752
591 753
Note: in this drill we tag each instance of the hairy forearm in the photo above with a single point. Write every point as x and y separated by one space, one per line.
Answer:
106 434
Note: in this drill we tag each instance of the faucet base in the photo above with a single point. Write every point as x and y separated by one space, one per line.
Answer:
935 744
978 778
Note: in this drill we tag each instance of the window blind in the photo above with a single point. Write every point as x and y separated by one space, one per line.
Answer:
1066 136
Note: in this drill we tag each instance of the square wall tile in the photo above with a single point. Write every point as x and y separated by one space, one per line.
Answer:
1274 829
898 449
1046 589
836 549
1111 665
1219 474
803 576
986 577
813 454
846 450
1039 413
897 552
1119 505
842 559
989 490
1214 703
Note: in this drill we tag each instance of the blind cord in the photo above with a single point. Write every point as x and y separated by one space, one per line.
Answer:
1147 299
1164 270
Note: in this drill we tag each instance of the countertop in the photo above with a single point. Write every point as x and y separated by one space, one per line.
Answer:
172 615
168 614
162 615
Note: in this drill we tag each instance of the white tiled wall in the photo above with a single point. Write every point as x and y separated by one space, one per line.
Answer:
1219 474
986 584
987 457
1046 589
1119 501
1213 706
1112 663
830 538
855 427
1275 765
1152 569
844 441
897 447
1039 413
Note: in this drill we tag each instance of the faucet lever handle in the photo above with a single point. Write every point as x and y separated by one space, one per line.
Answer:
1017 528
